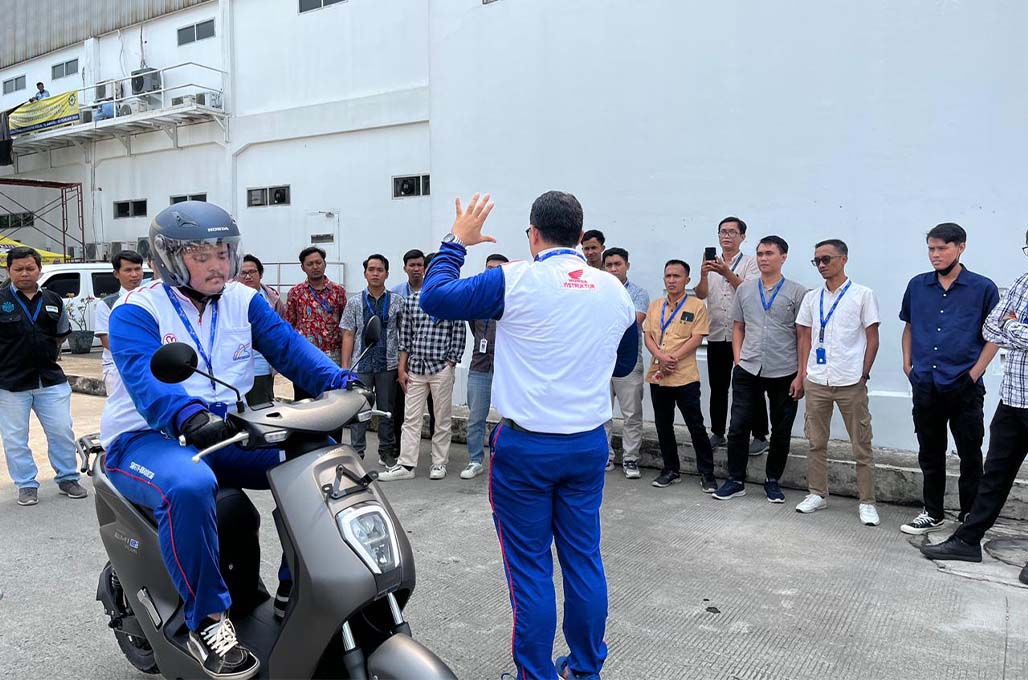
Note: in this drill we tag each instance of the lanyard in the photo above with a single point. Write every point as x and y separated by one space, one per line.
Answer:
39 305
664 323
192 333
738 259
765 302
821 310
385 311
325 304
559 251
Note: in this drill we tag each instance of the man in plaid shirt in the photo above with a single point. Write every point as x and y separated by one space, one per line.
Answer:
1006 326
430 349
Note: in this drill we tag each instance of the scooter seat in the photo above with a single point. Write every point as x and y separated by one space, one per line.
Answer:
223 495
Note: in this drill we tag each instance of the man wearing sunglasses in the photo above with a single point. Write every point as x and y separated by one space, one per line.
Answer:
944 356
1007 327
838 336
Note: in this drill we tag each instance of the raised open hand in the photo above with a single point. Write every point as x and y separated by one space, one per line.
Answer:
468 224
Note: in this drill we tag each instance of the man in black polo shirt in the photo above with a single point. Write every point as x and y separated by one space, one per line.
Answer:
33 324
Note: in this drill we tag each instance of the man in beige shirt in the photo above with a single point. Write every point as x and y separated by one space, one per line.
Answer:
674 328
719 279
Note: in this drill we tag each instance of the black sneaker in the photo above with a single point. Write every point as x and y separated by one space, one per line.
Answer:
953 549
665 479
285 589
708 483
923 524
773 491
28 495
219 653
72 489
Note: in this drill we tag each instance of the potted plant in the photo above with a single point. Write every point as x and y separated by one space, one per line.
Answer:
81 339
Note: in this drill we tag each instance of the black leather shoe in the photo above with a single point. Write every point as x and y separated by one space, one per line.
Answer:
953 549
1023 578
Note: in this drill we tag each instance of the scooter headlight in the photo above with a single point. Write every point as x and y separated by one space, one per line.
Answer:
369 531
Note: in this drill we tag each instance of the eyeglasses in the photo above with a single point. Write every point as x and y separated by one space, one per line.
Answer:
1024 249
247 274
728 232
824 259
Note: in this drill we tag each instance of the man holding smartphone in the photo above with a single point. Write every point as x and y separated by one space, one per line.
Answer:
719 279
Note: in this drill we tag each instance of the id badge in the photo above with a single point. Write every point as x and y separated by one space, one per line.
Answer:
820 355
482 345
219 408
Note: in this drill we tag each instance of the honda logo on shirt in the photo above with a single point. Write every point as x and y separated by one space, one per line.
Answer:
575 280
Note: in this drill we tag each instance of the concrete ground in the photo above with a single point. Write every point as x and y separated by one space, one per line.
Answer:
699 589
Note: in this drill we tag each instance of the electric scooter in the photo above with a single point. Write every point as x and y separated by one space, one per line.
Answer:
351 562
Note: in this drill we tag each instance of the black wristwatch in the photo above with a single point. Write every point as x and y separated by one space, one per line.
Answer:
452 238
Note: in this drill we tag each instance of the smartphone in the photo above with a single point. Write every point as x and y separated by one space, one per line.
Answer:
710 254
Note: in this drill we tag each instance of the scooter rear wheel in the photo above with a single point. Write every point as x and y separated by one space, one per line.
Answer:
136 649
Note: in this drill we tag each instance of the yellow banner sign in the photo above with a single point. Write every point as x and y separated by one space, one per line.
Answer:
45 113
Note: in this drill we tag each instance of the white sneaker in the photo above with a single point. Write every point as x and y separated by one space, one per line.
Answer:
470 472
395 473
869 515
437 472
812 503
610 465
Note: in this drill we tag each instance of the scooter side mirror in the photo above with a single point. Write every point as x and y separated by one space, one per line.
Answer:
173 362
372 331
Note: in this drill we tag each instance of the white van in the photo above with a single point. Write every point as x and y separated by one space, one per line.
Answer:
84 285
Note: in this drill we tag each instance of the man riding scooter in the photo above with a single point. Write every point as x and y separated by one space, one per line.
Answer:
196 249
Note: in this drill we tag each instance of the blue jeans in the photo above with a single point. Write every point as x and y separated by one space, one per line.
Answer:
547 489
480 386
53 408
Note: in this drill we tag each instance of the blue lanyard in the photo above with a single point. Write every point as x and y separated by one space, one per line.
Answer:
765 302
39 305
385 311
821 310
664 323
738 259
559 251
192 333
325 304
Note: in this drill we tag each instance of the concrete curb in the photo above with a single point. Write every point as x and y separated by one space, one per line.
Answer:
897 474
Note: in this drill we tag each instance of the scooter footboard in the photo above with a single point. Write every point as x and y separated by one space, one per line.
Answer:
403 657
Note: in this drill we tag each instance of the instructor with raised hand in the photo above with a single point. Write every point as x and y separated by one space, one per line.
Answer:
562 329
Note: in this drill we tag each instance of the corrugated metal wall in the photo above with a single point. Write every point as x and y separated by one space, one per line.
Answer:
29 28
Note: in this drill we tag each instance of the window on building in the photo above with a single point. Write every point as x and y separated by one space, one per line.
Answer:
17 220
308 5
130 208
65 68
200 31
279 195
409 186
14 84
66 285
188 197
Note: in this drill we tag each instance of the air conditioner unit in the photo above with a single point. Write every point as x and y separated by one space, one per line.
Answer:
86 115
97 252
117 247
185 99
145 80
106 91
74 252
211 100
130 106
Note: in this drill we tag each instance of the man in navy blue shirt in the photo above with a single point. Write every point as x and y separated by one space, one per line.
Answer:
945 355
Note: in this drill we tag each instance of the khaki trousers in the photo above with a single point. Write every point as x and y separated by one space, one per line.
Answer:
853 405
629 393
440 385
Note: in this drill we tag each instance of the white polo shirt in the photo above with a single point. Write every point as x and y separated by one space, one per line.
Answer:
845 339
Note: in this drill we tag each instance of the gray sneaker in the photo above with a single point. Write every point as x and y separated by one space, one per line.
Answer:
717 441
72 489
28 495
758 446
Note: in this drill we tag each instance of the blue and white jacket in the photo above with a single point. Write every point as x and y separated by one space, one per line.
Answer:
563 328
147 319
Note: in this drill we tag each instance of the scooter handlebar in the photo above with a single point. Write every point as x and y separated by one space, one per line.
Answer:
240 437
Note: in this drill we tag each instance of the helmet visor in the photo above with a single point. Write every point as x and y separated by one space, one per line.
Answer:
200 264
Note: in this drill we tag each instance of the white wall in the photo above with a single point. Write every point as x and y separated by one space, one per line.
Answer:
348 175
284 59
867 121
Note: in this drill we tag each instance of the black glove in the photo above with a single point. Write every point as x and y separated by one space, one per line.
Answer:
204 429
